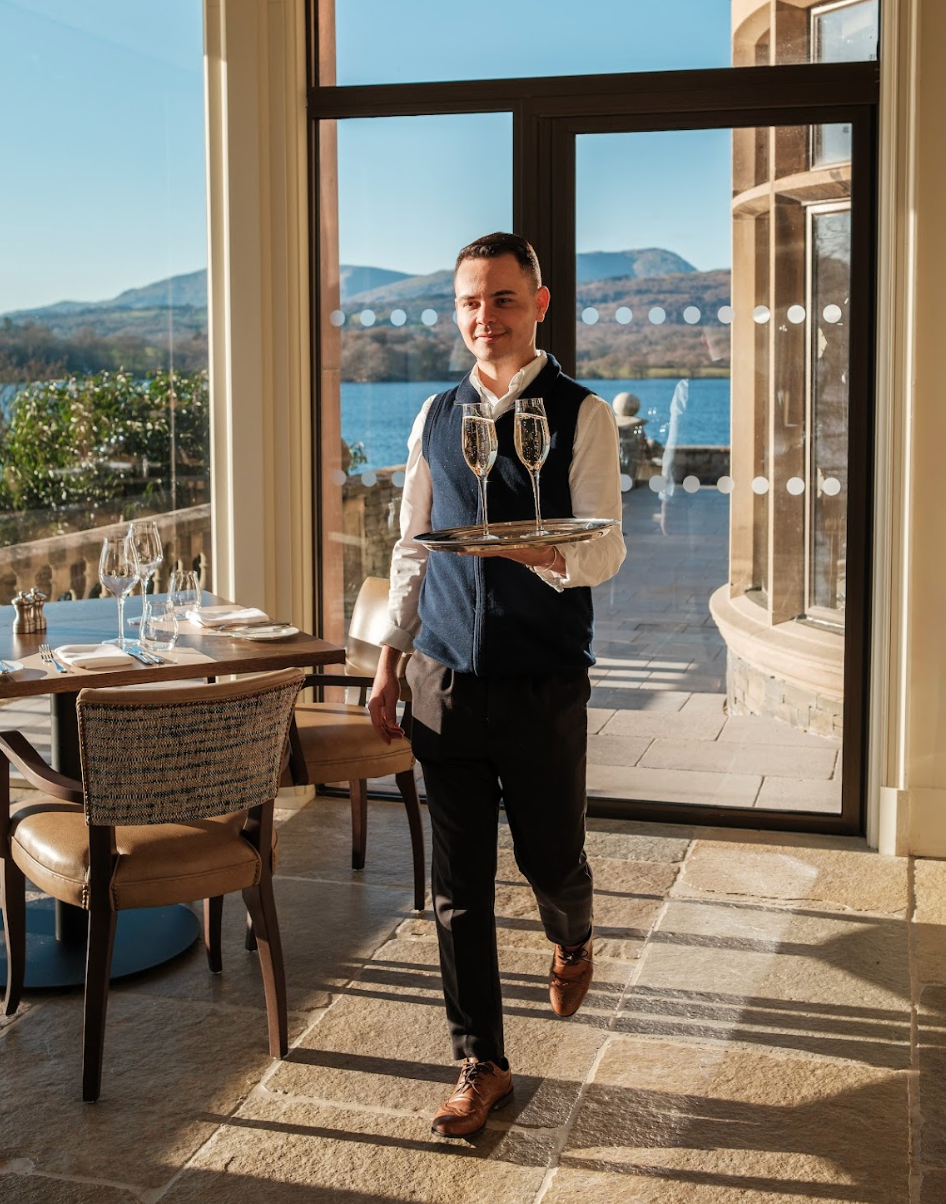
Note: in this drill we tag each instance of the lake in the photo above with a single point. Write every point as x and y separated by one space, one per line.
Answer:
381 414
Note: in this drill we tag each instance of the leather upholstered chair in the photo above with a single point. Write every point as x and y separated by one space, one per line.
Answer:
336 742
175 804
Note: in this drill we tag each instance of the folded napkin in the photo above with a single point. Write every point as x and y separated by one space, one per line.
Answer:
225 616
94 656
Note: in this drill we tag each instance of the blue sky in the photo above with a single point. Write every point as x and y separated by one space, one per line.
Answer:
104 160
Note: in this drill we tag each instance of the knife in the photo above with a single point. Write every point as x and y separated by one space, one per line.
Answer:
146 658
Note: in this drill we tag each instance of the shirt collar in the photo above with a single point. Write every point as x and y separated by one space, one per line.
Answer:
522 379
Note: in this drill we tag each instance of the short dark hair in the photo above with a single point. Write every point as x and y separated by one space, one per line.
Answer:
491 246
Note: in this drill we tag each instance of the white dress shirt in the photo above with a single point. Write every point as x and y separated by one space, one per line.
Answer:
593 480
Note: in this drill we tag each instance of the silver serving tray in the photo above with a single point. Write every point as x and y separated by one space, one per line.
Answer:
518 534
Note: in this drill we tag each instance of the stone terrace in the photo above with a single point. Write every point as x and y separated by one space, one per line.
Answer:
767 1026
658 724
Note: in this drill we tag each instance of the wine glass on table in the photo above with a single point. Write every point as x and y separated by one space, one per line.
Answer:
147 540
119 574
532 444
480 448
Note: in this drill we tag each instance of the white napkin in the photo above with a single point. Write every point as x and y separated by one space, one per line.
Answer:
221 616
94 656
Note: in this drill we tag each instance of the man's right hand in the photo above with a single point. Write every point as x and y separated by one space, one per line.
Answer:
385 694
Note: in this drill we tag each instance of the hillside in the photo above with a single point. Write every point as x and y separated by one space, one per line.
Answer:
137 329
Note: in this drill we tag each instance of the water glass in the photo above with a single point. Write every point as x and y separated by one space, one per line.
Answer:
159 629
184 591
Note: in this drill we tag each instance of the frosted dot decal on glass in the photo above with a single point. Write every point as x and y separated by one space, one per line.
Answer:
796 314
338 476
831 486
760 485
367 317
795 486
657 483
398 317
429 317
726 313
692 315
589 315
623 315
832 313
337 318
657 315
691 484
761 314
725 484
627 482
369 478
397 479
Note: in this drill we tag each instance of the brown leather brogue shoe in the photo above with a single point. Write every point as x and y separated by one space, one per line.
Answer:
570 977
481 1087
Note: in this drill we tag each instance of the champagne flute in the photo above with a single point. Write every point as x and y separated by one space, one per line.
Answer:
480 448
147 540
532 444
119 572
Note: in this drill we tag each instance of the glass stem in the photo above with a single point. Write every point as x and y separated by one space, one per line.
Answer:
535 494
121 620
482 481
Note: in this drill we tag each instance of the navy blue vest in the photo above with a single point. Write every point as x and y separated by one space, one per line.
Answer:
494 617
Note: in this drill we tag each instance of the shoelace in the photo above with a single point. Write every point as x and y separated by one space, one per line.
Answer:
571 957
469 1074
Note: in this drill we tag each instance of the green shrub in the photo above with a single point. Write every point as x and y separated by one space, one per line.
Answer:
94 439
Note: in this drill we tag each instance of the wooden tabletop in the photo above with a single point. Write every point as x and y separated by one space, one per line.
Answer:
197 653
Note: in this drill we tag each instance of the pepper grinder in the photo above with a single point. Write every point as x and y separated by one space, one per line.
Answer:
28 612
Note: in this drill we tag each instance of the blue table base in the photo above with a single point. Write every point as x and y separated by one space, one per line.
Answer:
144 937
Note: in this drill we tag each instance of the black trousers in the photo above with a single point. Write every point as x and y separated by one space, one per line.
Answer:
521 740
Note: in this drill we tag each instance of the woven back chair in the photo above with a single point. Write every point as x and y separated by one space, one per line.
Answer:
336 742
175 804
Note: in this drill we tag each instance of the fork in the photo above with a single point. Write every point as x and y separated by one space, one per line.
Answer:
46 654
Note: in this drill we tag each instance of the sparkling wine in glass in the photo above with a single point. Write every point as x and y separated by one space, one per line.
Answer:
532 444
119 573
480 448
147 540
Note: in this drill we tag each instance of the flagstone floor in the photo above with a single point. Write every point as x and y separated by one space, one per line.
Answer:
767 1026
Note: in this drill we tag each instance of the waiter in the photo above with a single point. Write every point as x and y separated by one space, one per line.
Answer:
501 647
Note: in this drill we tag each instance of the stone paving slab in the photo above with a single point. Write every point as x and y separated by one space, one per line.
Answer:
688 723
273 1145
319 957
929 885
795 794
791 870
757 728
805 982
931 1066
675 785
663 1124
28 1188
728 756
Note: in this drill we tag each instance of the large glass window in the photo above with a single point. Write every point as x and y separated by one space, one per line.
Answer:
104 408
389 339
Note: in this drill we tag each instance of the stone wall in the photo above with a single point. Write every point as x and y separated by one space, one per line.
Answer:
751 691
67 566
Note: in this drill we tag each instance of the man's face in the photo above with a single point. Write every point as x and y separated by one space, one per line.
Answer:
497 311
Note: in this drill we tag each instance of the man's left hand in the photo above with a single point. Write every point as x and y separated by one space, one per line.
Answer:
547 557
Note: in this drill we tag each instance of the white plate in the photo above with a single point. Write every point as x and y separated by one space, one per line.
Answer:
274 631
12 666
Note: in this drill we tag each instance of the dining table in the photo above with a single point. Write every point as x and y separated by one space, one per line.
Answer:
146 937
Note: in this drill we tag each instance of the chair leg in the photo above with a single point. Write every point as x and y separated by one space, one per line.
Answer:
249 940
98 967
213 925
407 785
359 823
261 906
13 895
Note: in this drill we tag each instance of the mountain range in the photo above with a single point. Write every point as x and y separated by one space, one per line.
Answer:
358 285
141 327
